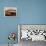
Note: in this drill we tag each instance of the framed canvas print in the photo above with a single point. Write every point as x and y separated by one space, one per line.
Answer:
10 11
32 32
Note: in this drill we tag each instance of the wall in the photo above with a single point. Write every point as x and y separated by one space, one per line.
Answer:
29 12
7 24
33 12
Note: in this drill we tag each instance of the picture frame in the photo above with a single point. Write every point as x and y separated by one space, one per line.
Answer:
10 11
38 30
